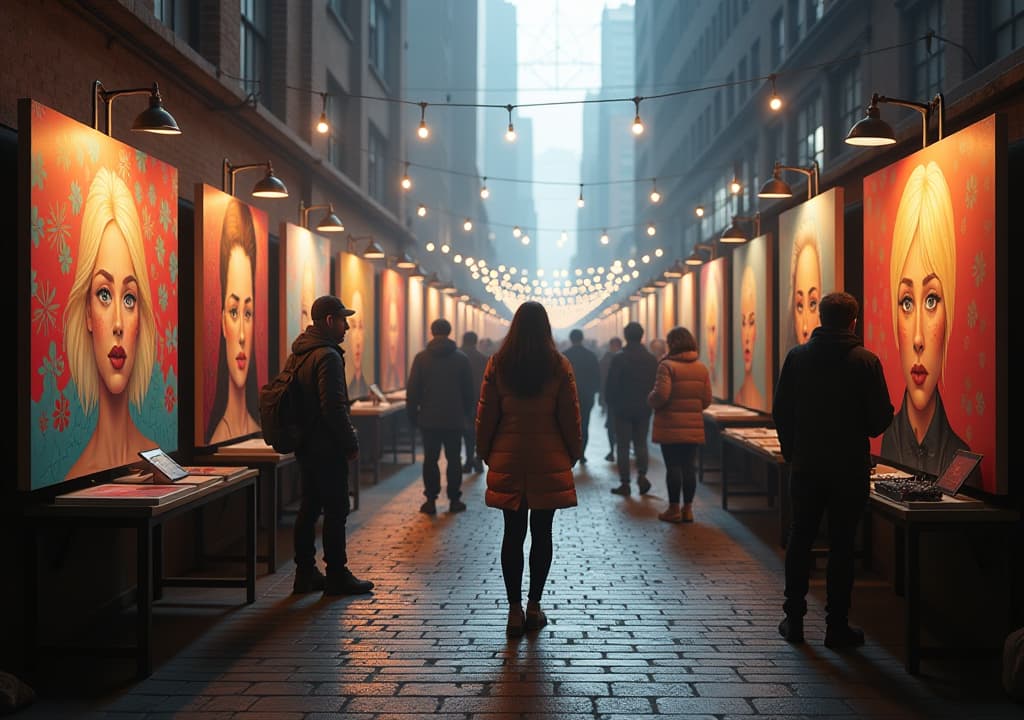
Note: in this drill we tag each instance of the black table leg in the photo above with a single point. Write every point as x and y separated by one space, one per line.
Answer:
251 521
31 592
724 465
144 600
272 527
913 601
158 562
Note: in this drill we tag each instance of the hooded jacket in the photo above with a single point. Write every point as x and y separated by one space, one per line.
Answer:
330 436
682 391
440 394
830 399
630 378
530 443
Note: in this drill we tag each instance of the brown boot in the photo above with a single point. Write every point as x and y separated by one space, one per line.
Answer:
672 514
687 512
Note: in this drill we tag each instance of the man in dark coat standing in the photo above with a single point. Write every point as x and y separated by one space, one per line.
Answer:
439 397
477 364
588 381
630 378
329 446
614 346
830 399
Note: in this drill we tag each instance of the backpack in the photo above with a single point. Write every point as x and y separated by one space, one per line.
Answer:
281 409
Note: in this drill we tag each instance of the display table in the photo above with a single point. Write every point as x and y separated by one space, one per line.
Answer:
911 523
746 447
147 521
255 452
718 417
370 421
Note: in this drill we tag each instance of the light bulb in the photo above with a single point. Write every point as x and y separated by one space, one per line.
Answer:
516 232
658 252
604 238
446 248
457 257
484 192
423 131
699 211
638 125
651 230
321 126
645 259
467 224
775 103
510 134
525 240
406 182
735 187
429 247
580 202
421 210
655 196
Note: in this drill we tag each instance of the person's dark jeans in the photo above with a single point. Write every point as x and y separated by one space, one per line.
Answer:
433 440
609 423
324 490
843 498
469 437
679 471
586 406
541 552
631 429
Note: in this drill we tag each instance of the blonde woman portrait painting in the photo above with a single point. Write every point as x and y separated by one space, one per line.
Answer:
805 282
923 291
748 394
109 325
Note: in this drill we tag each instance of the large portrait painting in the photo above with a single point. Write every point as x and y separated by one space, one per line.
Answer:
392 330
305 276
356 289
414 321
434 311
232 334
810 265
713 339
98 253
666 309
930 237
752 293
686 299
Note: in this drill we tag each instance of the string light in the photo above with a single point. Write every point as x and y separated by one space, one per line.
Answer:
735 187
655 195
774 101
525 240
604 237
429 247
510 134
699 211
406 180
421 210
580 202
467 224
484 192
446 248
516 232
638 124
651 230
322 126
423 131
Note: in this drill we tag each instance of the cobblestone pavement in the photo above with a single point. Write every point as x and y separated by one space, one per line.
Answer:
646 619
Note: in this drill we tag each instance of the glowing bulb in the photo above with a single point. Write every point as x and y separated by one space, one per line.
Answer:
580 202
735 186
525 240
655 196
321 126
638 125
446 248
484 192
423 131
406 182
429 247
510 134
658 252
516 232
775 103
604 238
467 224
631 262
645 259
457 257
421 210
699 211
651 230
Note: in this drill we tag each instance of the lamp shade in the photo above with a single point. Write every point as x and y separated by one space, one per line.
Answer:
676 271
871 130
417 273
405 262
775 188
156 119
270 187
373 251
694 259
734 234
330 223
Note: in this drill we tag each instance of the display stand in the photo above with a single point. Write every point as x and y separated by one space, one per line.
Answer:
147 521
369 420
718 417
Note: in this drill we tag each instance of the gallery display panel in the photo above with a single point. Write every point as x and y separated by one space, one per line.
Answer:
753 292
231 316
686 297
305 275
357 290
98 299
933 223
392 330
713 339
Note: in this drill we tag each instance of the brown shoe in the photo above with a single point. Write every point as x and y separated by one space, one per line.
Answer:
687 512
673 514
535 619
516 625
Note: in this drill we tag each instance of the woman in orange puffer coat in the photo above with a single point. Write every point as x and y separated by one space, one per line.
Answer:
682 390
528 433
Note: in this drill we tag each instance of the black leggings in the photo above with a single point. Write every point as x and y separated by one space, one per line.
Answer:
512 552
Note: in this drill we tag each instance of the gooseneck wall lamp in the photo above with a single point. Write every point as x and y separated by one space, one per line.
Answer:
154 119
269 187
872 130
779 188
328 223
696 258
372 250
735 234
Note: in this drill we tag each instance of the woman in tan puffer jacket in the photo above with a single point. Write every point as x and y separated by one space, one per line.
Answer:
528 433
682 390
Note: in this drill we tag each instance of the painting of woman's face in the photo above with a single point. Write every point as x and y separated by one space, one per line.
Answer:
393 333
112 315
711 329
748 324
238 315
921 327
355 331
307 294
806 293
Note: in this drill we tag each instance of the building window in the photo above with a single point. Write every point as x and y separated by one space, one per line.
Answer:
810 134
927 66
347 11
378 44
1007 26
336 104
743 89
181 16
850 101
730 96
778 39
755 59
796 22
255 50
815 9
376 161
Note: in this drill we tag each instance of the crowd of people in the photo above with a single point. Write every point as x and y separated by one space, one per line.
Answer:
523 413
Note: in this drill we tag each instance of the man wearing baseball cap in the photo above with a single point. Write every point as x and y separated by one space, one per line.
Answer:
326 452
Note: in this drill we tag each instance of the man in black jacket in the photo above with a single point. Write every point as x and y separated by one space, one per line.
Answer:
439 396
328 447
630 378
614 345
477 364
588 381
830 399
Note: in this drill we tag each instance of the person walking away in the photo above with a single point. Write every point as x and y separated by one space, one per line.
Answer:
439 396
588 381
329 447
528 432
831 397
614 345
630 379
477 363
681 393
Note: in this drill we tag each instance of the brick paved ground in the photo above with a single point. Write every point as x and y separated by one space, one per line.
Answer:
646 619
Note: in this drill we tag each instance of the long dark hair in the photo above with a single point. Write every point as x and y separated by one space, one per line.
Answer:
528 357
